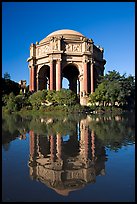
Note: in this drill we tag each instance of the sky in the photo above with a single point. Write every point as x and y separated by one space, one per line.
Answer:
110 24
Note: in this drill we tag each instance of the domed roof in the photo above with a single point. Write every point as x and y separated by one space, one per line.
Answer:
65 31
62 32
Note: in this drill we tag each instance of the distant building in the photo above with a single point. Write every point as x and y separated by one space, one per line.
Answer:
22 84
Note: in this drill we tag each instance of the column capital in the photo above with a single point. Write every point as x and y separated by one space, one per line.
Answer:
33 66
85 61
93 61
51 60
59 60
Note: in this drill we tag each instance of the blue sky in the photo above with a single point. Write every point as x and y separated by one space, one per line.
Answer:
110 24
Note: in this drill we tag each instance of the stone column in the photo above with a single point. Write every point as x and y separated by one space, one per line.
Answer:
58 76
37 81
81 85
51 75
33 78
30 79
85 81
92 77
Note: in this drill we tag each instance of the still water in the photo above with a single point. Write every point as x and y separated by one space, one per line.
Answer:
74 158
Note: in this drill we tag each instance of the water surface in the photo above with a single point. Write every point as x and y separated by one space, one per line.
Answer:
68 158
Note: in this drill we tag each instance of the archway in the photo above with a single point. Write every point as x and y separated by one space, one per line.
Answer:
43 77
71 73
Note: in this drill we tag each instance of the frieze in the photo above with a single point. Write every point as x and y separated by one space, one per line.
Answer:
73 47
42 50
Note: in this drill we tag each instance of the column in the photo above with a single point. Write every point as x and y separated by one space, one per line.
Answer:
92 77
32 78
51 75
85 81
81 86
58 76
37 81
30 82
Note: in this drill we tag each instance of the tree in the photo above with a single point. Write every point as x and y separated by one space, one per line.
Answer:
37 97
7 76
9 86
65 97
113 88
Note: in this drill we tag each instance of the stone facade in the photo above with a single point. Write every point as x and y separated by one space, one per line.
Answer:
69 54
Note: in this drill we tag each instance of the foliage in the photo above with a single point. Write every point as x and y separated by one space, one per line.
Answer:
114 89
9 86
37 97
7 76
65 97
60 98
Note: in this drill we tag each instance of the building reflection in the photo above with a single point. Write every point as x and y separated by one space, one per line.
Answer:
67 163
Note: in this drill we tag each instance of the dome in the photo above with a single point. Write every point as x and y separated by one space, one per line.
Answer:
62 32
65 31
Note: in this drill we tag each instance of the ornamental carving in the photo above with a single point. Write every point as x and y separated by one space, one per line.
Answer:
73 47
88 47
47 48
43 50
55 44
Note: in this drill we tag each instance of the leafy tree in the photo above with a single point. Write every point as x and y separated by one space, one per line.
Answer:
65 97
11 105
9 86
21 101
7 76
5 98
37 97
113 88
51 95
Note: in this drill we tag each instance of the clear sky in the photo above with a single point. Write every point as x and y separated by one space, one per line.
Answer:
110 24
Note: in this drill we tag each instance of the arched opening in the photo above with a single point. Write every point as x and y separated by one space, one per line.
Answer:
71 73
43 77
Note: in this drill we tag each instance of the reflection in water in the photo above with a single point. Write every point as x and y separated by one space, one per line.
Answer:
66 165
67 153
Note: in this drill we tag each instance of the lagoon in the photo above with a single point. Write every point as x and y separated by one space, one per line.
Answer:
68 158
